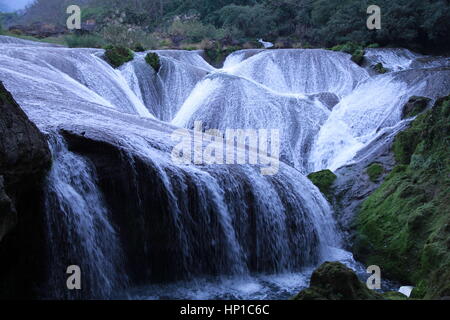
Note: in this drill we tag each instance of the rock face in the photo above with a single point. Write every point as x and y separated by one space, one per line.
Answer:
355 183
404 226
24 160
334 281
415 106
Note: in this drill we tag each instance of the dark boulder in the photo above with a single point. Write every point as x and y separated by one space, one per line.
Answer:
24 152
24 160
334 281
415 106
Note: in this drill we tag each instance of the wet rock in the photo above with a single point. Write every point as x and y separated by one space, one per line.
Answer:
330 100
415 106
334 281
323 180
24 157
24 160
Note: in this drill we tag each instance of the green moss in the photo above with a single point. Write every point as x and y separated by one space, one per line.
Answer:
216 55
380 68
394 296
356 50
153 60
375 170
117 56
404 226
323 180
334 281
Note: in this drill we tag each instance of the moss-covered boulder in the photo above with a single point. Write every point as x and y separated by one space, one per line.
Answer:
216 55
356 50
415 106
404 226
375 171
380 68
334 281
117 55
153 60
323 180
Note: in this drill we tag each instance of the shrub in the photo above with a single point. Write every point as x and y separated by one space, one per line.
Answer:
120 35
356 50
195 31
153 60
216 55
117 56
139 48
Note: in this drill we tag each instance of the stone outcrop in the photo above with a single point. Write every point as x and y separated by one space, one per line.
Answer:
24 160
334 281
415 106
404 226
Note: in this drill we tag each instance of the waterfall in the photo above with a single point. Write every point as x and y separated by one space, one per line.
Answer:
118 206
79 229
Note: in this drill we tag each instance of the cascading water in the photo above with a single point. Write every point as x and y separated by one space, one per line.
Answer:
79 229
113 176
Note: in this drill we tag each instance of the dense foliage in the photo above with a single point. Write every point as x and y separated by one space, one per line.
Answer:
417 24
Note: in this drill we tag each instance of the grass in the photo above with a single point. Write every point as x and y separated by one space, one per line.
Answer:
53 40
375 170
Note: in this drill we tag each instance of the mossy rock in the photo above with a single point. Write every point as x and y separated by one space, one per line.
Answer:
380 68
374 171
117 55
415 106
334 281
356 50
216 55
323 180
392 295
153 60
404 226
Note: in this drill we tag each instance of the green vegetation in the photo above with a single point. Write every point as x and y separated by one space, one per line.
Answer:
356 50
421 25
117 56
216 55
323 180
375 170
415 106
84 41
334 281
404 226
153 60
380 68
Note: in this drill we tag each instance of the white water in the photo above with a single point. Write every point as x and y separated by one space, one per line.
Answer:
79 231
225 220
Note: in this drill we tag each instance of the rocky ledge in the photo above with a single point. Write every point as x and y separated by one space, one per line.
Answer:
24 159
